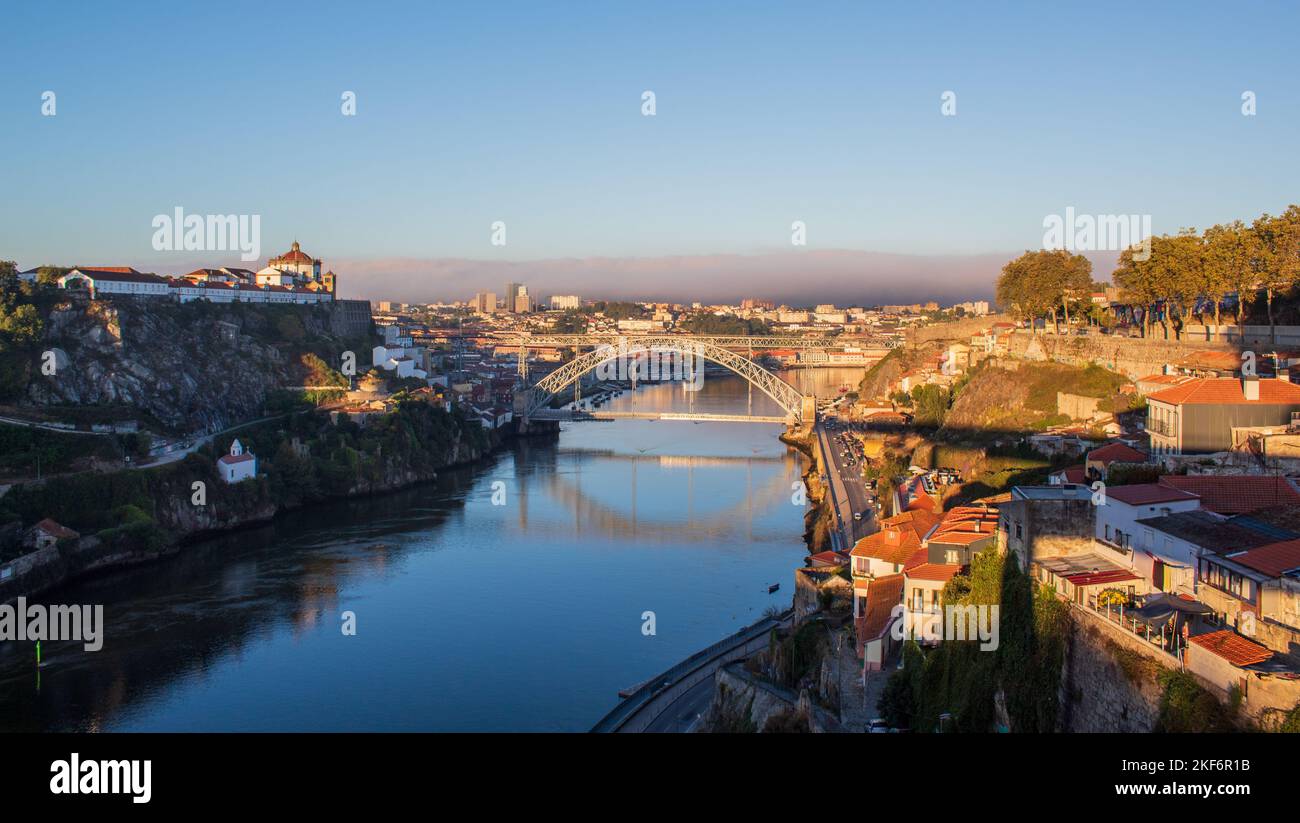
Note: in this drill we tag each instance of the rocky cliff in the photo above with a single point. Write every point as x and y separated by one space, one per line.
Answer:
181 367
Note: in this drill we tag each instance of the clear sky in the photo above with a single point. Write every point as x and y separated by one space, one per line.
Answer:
530 113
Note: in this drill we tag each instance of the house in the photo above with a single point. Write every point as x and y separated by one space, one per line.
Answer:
47 533
116 280
1118 528
1236 493
238 465
1046 521
872 628
923 592
1098 461
888 550
1257 591
964 532
1198 416
1179 540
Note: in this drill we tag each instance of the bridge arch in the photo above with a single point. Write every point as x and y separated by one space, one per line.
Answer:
785 395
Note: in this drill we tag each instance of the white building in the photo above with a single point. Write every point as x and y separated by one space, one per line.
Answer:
566 301
1142 548
238 465
117 280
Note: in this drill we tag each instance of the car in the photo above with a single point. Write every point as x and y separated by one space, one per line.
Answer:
857 515
877 726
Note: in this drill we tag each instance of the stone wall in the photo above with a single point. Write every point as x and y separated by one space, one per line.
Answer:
1109 683
1131 356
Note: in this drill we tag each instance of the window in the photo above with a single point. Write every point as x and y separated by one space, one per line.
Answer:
1107 532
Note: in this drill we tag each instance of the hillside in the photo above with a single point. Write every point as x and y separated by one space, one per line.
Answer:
997 398
179 368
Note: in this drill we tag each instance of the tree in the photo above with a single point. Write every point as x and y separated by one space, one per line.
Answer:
1274 253
1036 283
1227 266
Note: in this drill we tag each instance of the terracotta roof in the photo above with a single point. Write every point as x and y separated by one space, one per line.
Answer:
115 269
1144 494
230 459
828 558
1074 474
1227 390
55 530
898 539
1237 493
1274 559
1101 577
1112 452
121 275
294 255
942 572
883 595
1232 647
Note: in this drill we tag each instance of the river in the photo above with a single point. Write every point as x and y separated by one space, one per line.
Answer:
525 612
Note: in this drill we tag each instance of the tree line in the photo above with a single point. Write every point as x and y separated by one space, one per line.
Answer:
1168 279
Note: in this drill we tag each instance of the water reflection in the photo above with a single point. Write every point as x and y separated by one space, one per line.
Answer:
470 615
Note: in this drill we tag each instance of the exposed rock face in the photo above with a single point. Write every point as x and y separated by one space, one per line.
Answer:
1107 687
745 703
188 367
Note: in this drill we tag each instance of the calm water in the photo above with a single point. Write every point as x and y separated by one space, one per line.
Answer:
470 615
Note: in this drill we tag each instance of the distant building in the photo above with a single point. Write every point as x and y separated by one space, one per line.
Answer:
47 533
238 465
755 303
566 301
485 302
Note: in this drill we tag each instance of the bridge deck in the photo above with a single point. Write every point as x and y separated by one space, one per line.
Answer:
570 416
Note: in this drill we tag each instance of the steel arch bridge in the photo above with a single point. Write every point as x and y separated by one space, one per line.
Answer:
786 396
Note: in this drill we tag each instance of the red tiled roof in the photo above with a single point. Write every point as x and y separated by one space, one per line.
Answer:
54 529
1274 559
1232 647
121 275
115 269
899 537
1237 493
1227 390
1074 474
1100 577
942 572
883 595
828 558
230 459
1112 452
1144 494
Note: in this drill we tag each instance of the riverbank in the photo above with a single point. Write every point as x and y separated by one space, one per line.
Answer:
153 514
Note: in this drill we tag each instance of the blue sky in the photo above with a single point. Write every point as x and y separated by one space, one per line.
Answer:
530 113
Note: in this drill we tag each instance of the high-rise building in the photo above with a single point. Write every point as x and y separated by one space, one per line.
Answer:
523 303
485 302
512 293
566 301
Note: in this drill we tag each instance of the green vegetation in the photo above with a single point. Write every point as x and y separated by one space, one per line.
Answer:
24 449
301 460
959 679
1038 283
1185 706
725 325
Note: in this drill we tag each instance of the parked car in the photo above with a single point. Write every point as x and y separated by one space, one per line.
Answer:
878 726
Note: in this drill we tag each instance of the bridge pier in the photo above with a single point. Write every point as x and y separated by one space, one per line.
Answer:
808 411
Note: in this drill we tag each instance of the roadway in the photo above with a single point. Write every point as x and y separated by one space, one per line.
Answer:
848 492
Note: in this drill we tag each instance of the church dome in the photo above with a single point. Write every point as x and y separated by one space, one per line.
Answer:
294 255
